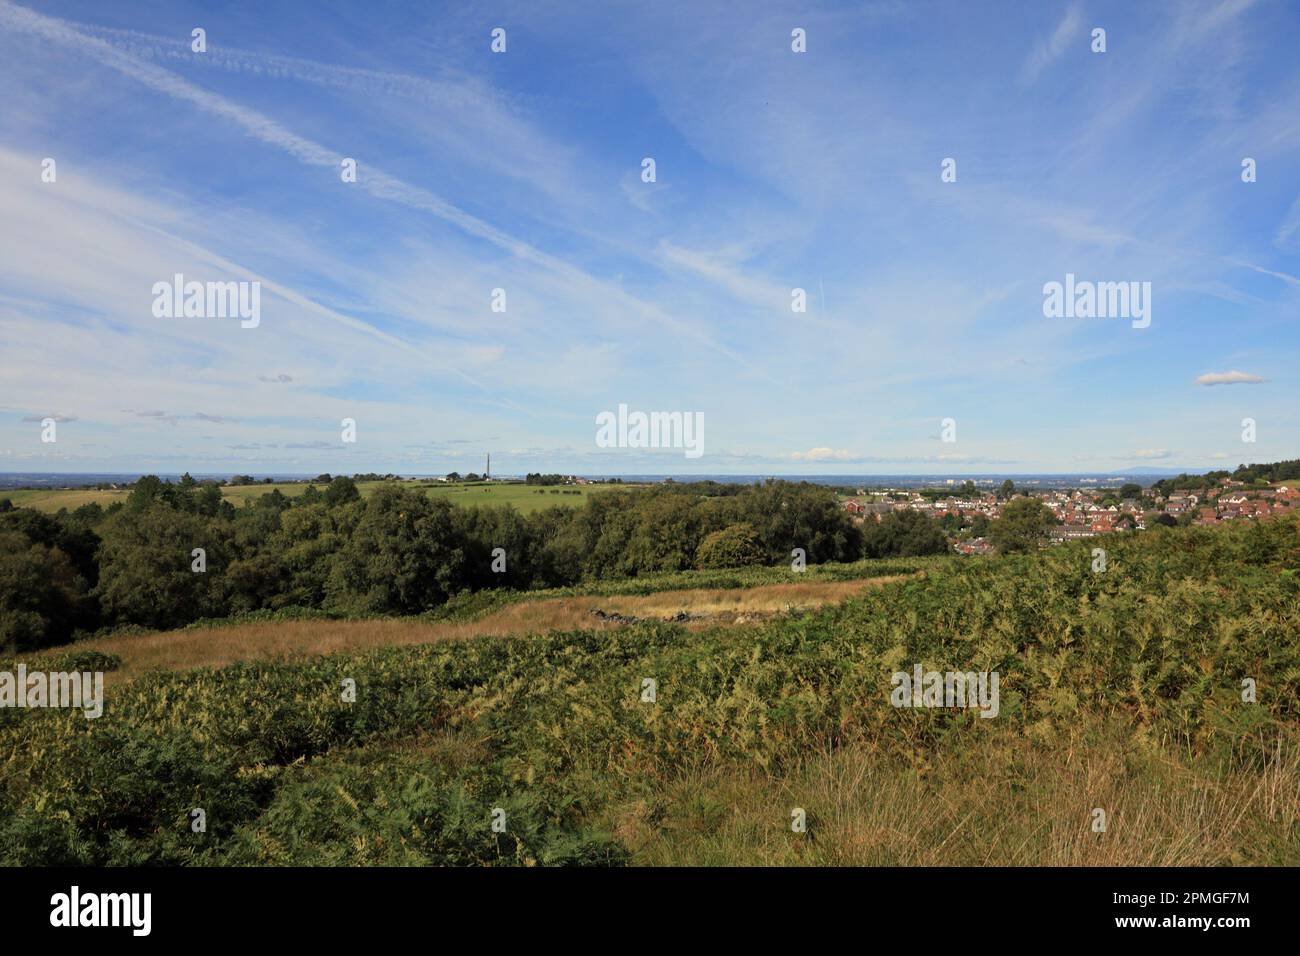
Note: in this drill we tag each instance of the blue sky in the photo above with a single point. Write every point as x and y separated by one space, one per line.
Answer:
522 171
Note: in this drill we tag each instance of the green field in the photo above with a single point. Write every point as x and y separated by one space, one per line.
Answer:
51 500
524 498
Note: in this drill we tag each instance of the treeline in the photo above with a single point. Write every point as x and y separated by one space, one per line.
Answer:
171 554
537 478
1277 471
1250 474
1210 479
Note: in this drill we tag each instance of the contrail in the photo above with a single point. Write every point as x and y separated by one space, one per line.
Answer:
373 180
297 298
150 46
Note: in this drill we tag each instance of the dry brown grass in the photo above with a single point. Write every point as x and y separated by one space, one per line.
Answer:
218 646
1000 804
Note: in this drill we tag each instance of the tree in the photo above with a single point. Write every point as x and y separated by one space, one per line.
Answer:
40 593
734 546
1008 490
404 557
87 516
665 536
310 536
147 490
1023 526
209 500
1130 489
341 491
146 573
788 516
483 531
69 533
903 534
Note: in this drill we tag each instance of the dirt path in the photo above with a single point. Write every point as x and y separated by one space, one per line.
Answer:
218 646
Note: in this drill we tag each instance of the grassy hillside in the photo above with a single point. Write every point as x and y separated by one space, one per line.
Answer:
1120 691
524 498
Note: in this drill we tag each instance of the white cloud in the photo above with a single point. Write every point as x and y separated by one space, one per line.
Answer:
1232 377
822 454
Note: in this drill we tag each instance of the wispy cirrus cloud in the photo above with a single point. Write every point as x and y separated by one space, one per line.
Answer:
1047 51
370 178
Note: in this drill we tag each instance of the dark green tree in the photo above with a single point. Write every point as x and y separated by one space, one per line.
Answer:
735 546
40 594
341 491
903 534
146 565
404 556
1023 526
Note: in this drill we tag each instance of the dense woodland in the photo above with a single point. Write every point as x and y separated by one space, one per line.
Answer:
399 551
